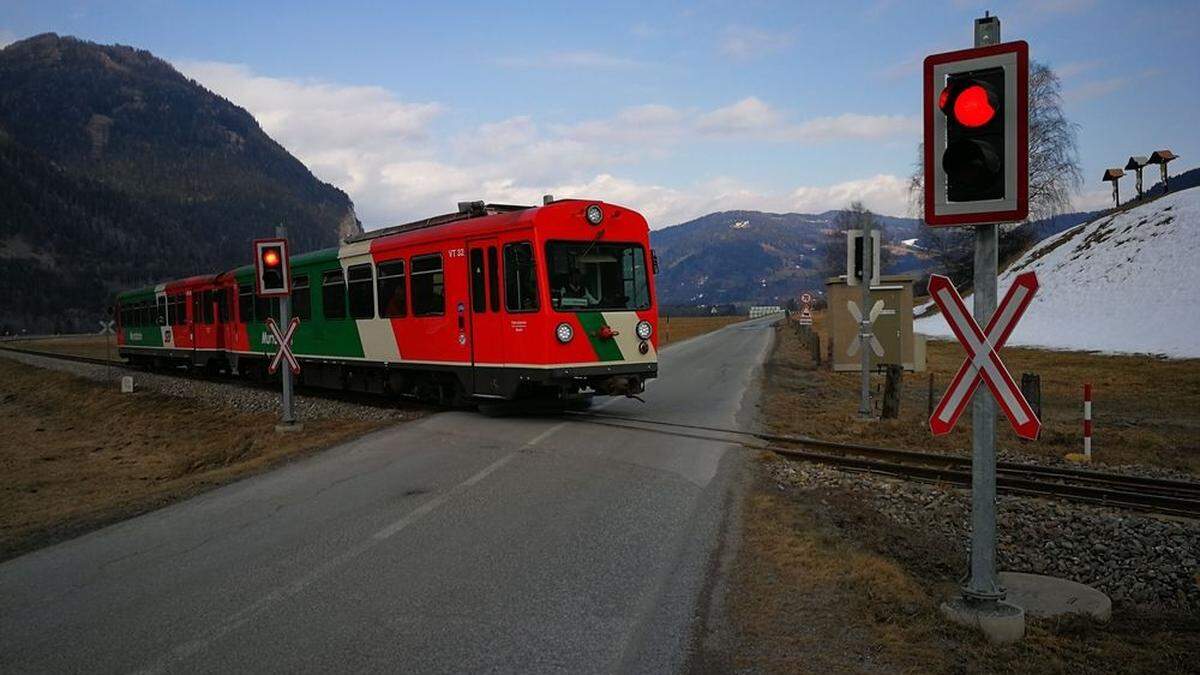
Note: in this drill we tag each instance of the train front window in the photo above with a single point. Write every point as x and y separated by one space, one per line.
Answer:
597 276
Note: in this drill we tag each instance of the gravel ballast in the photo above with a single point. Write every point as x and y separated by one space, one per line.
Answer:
234 394
1138 559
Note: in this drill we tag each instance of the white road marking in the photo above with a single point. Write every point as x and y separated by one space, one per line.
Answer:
177 654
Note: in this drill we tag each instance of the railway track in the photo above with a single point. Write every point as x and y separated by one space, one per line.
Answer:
1140 493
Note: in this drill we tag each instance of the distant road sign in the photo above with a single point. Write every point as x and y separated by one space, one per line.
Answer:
806 298
983 361
805 317
284 340
106 328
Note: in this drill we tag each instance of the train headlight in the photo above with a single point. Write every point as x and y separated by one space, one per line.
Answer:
644 329
564 333
594 214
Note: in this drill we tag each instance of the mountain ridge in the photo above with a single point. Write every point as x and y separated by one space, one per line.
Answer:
117 170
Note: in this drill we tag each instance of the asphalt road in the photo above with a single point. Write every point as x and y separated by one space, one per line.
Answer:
454 543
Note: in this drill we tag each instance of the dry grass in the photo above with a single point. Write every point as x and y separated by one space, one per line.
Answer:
824 585
680 328
76 455
1145 411
93 346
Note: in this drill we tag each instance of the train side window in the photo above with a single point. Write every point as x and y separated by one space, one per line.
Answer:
160 310
223 305
478 292
207 301
301 298
493 280
361 290
391 289
245 304
428 285
180 310
262 308
520 278
333 294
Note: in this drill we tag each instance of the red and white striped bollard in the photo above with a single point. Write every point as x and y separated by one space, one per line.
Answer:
1087 421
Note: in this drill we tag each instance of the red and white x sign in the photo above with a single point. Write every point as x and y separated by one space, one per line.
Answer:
284 340
983 362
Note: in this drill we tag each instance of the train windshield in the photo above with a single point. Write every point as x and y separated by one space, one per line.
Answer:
588 275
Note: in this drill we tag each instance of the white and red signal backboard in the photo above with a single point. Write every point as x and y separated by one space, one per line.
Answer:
1013 59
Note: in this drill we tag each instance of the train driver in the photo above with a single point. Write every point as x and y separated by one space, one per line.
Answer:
574 293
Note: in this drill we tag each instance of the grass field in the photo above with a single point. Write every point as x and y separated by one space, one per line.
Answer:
76 455
93 346
680 328
1145 411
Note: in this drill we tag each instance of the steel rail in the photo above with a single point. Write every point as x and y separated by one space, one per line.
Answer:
1171 497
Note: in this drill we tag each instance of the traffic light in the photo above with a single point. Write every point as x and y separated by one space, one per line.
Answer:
271 266
976 135
973 103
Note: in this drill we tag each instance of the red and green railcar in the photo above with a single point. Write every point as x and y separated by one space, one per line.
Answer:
492 301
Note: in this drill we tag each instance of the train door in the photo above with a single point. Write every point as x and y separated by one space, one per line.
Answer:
486 320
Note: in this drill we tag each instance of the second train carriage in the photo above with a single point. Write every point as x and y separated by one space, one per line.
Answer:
490 302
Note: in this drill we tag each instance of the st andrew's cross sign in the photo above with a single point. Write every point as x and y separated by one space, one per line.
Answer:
983 360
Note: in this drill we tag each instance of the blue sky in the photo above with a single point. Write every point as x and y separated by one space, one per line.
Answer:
675 109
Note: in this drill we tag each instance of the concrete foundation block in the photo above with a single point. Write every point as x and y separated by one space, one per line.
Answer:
999 621
288 428
1045 597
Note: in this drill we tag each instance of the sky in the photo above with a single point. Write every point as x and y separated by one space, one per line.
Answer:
673 109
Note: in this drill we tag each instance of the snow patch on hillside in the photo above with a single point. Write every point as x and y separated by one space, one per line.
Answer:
1127 283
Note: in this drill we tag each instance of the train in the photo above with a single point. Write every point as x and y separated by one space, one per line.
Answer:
490 302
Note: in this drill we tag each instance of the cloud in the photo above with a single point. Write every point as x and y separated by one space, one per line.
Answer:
568 60
1073 68
744 42
747 116
644 30
1094 89
384 152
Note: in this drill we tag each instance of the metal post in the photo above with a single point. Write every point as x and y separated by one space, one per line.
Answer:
285 316
983 584
864 328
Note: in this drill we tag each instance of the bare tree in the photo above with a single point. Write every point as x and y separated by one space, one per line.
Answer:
1054 174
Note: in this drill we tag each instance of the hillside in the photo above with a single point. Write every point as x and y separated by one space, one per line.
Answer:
116 170
1121 283
752 256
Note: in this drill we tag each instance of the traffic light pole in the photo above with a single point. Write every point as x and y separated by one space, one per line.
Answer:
288 418
983 583
864 324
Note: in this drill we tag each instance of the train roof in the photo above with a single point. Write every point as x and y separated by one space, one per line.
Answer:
466 221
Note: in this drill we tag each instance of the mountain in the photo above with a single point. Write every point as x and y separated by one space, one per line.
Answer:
117 171
1124 282
757 257
743 257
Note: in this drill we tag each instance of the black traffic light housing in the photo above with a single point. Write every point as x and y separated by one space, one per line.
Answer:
977 135
975 156
272 277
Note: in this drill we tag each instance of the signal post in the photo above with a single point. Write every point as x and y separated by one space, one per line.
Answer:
273 279
977 174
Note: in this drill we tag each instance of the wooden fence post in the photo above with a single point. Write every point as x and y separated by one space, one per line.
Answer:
891 392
